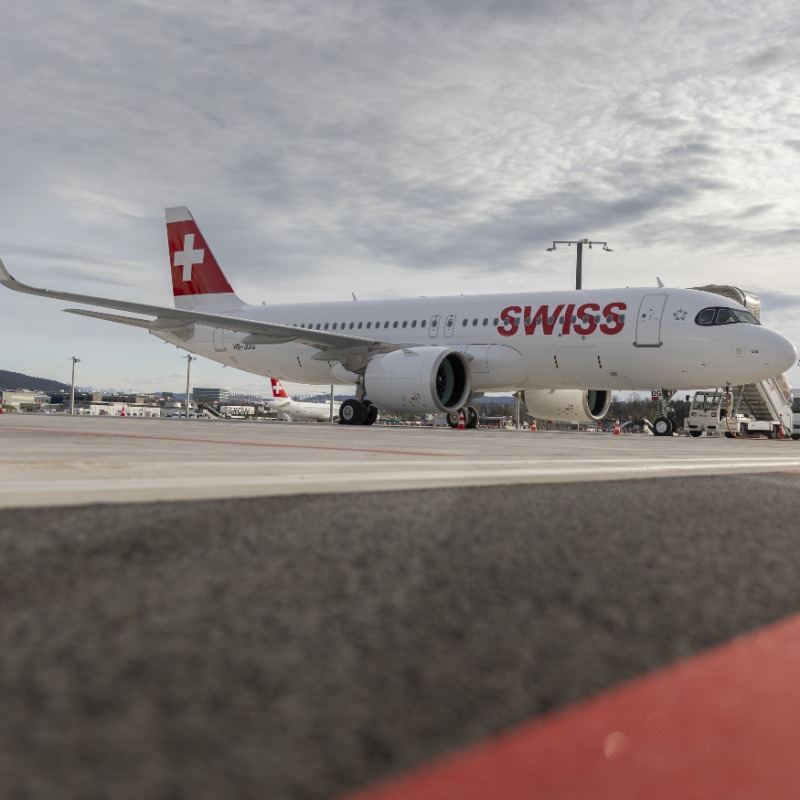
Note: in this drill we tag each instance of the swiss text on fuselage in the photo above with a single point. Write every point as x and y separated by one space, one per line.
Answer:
563 319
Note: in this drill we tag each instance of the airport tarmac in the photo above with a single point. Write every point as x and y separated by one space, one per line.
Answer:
60 460
203 610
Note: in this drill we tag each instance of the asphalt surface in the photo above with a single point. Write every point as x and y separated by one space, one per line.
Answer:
302 646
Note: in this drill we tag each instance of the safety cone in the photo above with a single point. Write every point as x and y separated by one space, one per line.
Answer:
461 425
616 428
123 413
533 425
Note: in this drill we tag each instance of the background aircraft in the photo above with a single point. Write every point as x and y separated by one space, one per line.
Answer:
299 409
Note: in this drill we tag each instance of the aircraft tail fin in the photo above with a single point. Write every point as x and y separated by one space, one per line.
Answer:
198 282
278 391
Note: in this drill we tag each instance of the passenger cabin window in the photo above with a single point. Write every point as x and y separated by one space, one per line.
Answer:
725 316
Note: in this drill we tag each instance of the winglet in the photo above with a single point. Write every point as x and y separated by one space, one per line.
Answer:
10 282
6 278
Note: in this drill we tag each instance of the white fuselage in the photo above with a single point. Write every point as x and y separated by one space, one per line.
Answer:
301 409
600 339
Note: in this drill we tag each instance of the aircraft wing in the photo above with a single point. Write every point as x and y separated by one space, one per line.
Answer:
332 346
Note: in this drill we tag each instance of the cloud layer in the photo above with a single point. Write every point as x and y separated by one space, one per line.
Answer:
395 148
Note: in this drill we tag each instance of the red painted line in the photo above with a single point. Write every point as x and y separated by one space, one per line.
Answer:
722 725
229 441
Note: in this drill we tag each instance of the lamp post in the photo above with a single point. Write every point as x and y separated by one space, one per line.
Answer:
72 390
579 262
189 358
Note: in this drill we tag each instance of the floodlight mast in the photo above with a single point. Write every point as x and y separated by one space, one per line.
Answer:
72 389
189 358
579 261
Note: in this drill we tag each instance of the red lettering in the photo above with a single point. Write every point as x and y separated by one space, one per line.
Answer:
586 318
510 318
586 322
615 324
549 320
542 317
530 321
568 311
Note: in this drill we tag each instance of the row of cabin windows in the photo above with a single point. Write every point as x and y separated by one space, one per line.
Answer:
552 320
423 323
320 326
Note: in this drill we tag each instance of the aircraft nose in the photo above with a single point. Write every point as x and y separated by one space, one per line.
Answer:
778 351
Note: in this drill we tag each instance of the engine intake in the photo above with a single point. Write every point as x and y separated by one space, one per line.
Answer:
568 405
419 380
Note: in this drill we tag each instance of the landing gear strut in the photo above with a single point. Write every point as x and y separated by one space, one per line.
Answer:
664 425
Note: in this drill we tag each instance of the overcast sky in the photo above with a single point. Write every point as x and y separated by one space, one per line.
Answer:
387 148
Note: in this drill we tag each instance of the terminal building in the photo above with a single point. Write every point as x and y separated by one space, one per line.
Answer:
203 394
24 400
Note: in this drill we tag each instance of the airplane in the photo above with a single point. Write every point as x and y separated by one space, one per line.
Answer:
567 350
299 409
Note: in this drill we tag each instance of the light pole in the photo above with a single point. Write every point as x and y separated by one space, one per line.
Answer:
189 358
72 390
579 262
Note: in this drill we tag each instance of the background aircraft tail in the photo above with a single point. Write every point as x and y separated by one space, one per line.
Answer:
198 283
278 391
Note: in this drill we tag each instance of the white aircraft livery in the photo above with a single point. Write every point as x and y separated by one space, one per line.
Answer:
566 349
299 409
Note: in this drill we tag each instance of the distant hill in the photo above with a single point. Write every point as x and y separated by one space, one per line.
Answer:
16 380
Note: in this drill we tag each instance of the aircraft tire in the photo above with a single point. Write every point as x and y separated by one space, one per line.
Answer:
695 433
471 417
371 415
452 419
351 412
662 426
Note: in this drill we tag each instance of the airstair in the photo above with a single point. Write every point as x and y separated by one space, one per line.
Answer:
769 400
209 411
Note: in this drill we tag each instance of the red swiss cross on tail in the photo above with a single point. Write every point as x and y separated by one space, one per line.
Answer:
278 390
197 280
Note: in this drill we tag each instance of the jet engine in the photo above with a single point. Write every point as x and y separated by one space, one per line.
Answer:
419 380
568 405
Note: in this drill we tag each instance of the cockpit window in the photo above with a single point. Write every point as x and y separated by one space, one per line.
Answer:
706 316
725 316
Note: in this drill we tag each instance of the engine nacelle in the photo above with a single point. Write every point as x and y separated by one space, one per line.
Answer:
419 380
568 405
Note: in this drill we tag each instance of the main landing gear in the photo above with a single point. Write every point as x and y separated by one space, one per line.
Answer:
470 417
356 412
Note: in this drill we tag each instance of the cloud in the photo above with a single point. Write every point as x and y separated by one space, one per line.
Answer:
379 146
